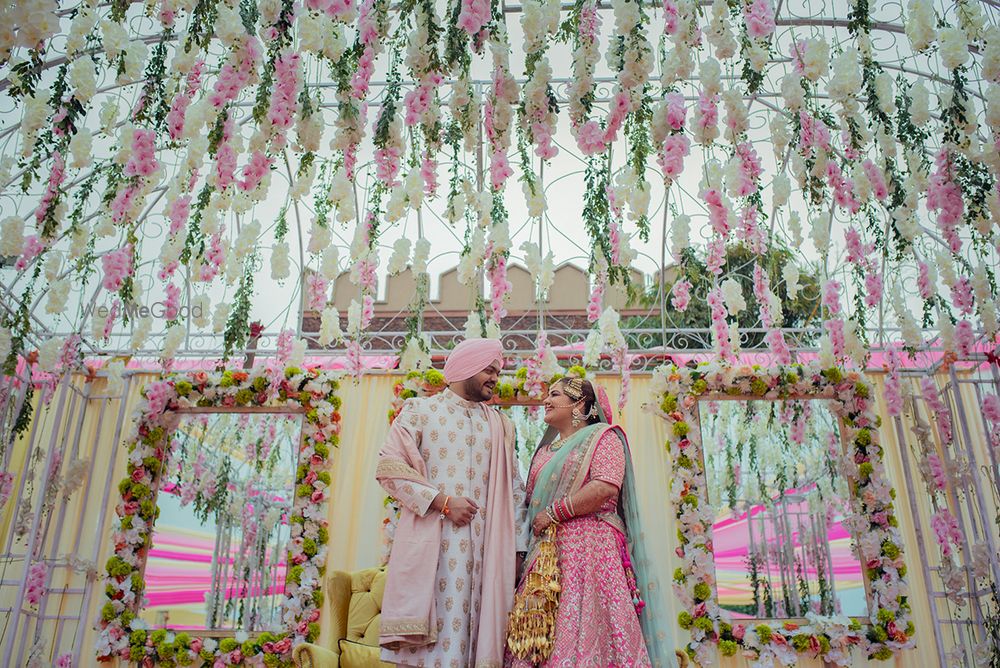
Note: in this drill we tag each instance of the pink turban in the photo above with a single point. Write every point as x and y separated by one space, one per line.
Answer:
470 357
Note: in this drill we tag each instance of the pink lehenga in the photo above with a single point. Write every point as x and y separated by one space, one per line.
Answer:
597 624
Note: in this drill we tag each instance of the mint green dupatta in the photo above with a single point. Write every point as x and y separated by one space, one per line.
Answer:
565 474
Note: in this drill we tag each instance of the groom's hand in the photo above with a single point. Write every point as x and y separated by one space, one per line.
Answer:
461 510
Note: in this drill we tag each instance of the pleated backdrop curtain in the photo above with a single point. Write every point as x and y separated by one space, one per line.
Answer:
356 503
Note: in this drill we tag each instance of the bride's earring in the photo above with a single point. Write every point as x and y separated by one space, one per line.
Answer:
577 417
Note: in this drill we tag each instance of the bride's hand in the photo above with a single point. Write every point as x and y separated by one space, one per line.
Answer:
540 523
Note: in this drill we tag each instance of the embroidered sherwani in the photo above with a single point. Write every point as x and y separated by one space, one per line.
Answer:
454 440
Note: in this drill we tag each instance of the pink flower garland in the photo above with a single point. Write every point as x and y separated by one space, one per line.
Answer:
946 531
671 156
178 108
236 72
473 16
500 287
285 96
937 406
873 288
720 328
255 170
944 196
596 302
682 295
35 586
117 267
893 388
716 255
316 289
6 487
33 247
56 177
171 306
759 18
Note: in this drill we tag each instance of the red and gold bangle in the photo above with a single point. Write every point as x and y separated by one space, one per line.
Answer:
445 511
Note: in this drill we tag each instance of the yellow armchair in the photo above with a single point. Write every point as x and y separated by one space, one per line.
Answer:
351 625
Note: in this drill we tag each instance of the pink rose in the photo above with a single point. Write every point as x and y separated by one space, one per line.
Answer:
283 645
131 507
739 631
317 496
310 478
196 645
236 656
314 615
138 475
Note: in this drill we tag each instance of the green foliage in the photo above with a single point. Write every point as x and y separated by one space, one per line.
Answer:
739 264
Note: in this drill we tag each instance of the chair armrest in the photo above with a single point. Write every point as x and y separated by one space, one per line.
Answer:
338 596
308 655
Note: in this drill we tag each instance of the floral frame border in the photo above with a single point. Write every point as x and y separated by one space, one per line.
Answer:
677 391
313 392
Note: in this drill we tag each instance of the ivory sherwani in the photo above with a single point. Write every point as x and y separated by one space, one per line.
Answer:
454 441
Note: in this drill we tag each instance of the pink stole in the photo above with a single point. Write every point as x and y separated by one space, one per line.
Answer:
408 607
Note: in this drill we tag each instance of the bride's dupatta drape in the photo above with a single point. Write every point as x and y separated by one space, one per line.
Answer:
565 474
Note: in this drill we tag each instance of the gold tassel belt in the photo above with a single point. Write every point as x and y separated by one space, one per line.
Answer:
532 623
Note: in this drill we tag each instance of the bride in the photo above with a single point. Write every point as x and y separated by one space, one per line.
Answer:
581 488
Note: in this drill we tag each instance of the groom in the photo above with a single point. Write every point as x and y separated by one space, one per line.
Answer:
449 461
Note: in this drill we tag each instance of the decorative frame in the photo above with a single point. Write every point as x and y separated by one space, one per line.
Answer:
311 392
873 527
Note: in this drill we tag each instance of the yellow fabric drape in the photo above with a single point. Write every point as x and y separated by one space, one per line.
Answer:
356 511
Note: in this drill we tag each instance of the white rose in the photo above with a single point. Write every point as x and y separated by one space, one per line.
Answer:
78 241
846 79
414 187
592 348
792 91
920 112
421 252
82 79
280 267
991 55
329 263
400 256
395 209
83 23
821 234
5 343
884 93
11 236
200 307
354 318
534 198
319 238
246 239
710 74
58 295
81 147
303 183
329 327
781 188
816 59
297 355
172 341
135 57
954 47
732 294
790 274
947 329
500 237
680 234
220 316
113 37
49 352
919 24
115 383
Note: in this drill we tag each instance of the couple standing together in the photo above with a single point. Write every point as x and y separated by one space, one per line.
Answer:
468 522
